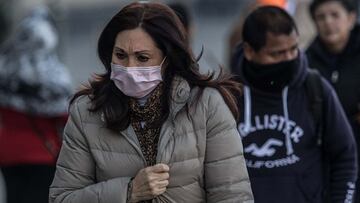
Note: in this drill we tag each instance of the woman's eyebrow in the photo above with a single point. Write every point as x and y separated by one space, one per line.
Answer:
144 51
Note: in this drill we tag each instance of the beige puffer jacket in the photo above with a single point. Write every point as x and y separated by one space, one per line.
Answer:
203 150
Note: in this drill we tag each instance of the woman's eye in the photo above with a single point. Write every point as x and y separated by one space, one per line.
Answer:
120 55
143 58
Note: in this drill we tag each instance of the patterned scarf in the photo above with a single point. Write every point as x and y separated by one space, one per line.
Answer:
150 115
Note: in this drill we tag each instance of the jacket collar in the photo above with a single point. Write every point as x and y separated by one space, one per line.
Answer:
180 94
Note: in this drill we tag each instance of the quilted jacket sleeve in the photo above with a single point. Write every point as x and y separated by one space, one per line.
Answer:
226 176
75 179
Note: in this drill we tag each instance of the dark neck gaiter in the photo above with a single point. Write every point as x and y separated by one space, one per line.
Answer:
270 77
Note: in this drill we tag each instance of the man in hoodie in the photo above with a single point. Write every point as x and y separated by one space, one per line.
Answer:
284 159
335 53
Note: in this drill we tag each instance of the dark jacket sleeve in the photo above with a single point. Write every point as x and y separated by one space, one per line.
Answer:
339 147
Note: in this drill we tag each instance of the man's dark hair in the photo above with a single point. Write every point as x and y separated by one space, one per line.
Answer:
349 5
263 20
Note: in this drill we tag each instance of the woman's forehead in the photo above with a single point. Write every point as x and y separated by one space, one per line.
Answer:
135 40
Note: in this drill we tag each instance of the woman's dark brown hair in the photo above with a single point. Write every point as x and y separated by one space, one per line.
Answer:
165 28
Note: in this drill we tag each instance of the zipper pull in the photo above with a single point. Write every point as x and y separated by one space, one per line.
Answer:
334 76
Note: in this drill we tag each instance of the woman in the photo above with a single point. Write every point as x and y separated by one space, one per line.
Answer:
151 128
335 52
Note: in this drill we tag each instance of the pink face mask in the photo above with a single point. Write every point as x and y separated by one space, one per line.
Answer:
136 82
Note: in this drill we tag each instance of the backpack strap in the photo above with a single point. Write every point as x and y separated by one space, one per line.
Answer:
314 89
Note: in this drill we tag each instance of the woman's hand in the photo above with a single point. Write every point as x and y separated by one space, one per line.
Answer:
150 182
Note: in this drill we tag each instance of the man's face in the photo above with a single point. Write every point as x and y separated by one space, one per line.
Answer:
278 48
334 22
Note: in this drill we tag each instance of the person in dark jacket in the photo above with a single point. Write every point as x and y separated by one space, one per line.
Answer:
335 53
278 130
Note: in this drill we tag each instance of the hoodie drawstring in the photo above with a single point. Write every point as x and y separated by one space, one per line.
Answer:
289 147
247 111
247 115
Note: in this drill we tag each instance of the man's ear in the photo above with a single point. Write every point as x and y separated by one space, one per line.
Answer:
248 51
352 19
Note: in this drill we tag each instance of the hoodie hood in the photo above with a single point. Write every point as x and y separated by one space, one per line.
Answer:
317 48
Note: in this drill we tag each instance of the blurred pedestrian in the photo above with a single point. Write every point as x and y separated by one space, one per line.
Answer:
4 31
34 91
296 8
151 128
207 61
335 53
184 14
4 21
298 144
